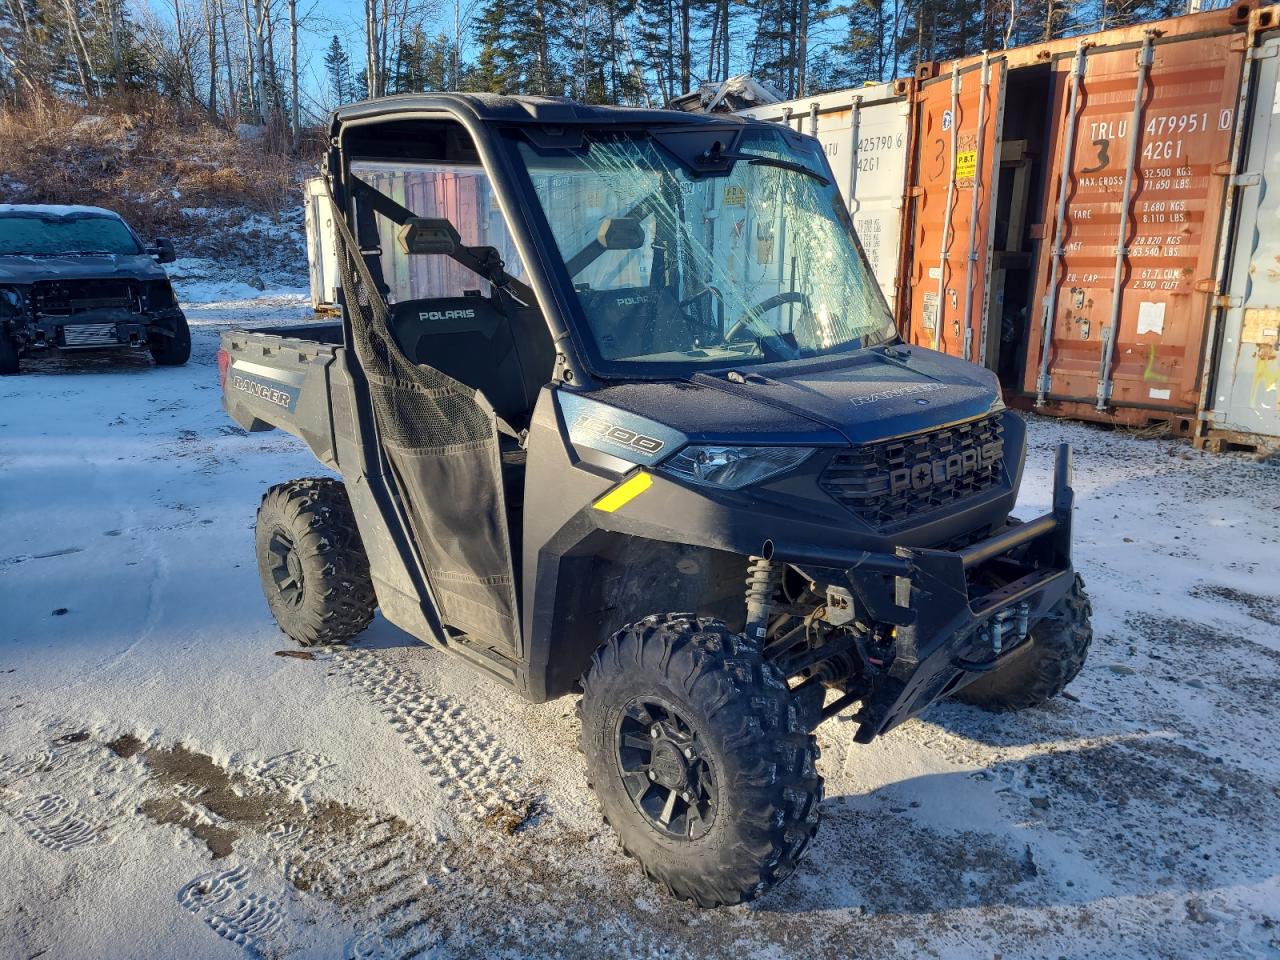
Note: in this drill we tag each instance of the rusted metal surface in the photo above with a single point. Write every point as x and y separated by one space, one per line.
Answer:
957 124
866 133
1244 394
1144 167
1230 19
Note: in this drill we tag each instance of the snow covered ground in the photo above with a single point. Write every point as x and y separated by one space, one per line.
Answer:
177 781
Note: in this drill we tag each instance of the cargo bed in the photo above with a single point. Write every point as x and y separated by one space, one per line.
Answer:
281 377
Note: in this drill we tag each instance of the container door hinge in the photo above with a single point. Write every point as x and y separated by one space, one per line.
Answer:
1268 52
1247 180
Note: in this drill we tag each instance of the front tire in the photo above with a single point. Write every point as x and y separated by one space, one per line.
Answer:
313 566
700 758
173 351
1040 668
8 354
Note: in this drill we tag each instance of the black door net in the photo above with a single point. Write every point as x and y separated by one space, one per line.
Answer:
441 440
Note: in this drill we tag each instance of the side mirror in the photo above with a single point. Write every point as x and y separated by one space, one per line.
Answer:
621 233
429 235
162 250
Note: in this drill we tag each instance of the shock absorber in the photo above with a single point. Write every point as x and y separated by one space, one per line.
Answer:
763 577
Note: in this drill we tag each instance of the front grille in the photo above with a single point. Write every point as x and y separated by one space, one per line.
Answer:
66 298
894 482
88 334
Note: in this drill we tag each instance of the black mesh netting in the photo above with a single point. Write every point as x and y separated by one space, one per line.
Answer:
442 445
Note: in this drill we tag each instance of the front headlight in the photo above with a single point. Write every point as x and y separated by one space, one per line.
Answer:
160 295
733 467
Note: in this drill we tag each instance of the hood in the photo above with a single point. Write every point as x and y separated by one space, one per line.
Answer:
26 270
871 395
875 394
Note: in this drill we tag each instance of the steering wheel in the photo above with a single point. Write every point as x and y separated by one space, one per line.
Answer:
764 306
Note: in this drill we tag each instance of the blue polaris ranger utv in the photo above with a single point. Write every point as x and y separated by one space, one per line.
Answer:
620 413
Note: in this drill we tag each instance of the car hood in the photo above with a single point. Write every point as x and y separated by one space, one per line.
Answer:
871 395
24 270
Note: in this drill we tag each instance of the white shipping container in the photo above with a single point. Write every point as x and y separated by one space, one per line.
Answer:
1244 405
865 132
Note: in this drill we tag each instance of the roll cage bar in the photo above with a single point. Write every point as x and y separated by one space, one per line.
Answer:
705 142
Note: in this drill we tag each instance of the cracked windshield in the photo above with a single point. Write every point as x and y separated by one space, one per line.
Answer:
756 266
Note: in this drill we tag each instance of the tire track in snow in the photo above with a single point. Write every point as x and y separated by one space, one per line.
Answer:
377 869
462 757
294 859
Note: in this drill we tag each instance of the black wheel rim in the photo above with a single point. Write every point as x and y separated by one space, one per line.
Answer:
286 568
665 770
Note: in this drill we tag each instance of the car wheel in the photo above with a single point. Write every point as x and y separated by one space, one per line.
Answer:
700 758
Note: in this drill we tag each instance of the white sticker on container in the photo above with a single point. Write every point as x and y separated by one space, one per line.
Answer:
929 310
935 273
1151 318
1155 394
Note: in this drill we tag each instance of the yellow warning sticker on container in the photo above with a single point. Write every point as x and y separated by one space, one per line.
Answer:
966 166
735 196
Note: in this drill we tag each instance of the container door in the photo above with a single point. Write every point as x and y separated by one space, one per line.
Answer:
1246 395
957 144
1136 191
876 141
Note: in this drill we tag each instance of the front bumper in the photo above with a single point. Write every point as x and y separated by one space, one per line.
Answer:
951 610
101 330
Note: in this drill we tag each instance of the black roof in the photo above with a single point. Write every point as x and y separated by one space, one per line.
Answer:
499 108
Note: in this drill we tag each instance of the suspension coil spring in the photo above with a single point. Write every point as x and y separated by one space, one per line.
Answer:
763 578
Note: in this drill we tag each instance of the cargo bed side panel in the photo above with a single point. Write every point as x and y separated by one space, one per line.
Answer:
282 381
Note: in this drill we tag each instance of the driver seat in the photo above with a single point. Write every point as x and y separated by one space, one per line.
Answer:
492 345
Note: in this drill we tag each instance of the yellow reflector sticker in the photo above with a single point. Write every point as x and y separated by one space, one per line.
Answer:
624 493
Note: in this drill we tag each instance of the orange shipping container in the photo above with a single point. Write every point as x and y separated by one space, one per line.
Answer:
1141 167
957 129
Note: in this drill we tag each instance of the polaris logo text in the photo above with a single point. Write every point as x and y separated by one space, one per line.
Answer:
598 429
924 475
280 397
446 315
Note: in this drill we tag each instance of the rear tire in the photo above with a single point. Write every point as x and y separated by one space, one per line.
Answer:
173 351
313 566
8 355
683 718
1040 668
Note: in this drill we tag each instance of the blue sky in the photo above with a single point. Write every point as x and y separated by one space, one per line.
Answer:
322 19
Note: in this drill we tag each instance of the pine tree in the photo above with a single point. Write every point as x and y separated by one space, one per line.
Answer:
408 69
595 52
520 44
658 42
337 67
